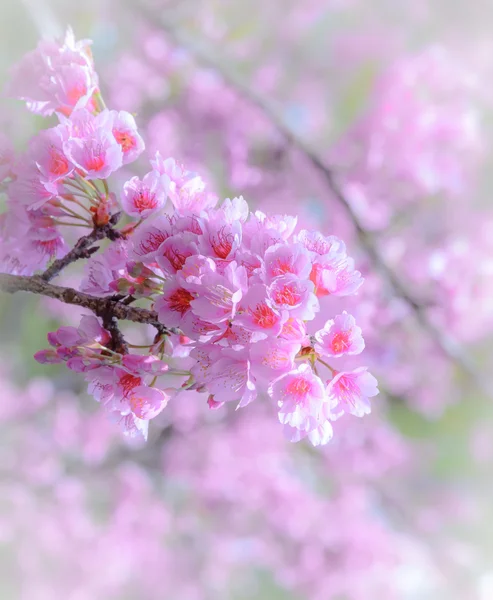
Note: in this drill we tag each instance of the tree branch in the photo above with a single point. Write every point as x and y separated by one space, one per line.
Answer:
82 248
102 307
272 112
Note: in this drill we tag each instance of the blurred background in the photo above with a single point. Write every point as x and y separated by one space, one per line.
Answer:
396 98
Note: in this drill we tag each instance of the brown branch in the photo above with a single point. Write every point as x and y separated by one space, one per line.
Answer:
272 112
99 306
82 248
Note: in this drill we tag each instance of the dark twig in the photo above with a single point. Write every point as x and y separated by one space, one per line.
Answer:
99 306
110 323
82 249
272 112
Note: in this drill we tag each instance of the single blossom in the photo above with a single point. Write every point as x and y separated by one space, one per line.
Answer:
56 77
350 391
143 197
124 130
339 336
97 156
300 395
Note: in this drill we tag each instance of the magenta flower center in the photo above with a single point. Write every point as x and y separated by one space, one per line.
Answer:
126 141
299 389
176 258
281 267
179 301
58 164
144 199
128 383
222 243
94 158
264 316
288 295
152 242
340 342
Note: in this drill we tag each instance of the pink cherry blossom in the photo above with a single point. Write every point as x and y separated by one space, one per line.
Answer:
97 156
350 391
271 358
146 402
335 276
55 77
339 336
290 293
143 197
46 150
300 395
229 379
125 132
218 294
175 302
148 238
258 315
283 259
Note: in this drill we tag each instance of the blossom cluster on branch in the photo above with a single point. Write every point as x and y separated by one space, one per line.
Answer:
235 291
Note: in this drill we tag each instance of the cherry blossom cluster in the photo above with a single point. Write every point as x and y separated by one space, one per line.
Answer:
408 156
238 294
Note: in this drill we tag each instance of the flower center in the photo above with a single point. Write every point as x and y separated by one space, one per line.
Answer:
340 342
126 141
222 243
128 383
282 266
264 316
288 295
179 301
144 200
299 388
58 163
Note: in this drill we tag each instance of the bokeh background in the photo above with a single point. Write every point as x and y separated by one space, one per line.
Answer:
396 97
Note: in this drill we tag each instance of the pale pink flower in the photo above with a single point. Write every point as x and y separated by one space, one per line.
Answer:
217 295
175 302
339 336
148 238
290 293
175 250
103 270
321 245
300 395
336 276
294 330
125 132
143 197
321 435
186 189
221 237
28 189
229 378
191 197
283 259
146 402
97 156
46 151
55 77
350 391
258 315
271 358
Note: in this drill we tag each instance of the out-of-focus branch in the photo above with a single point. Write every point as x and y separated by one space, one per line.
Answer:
208 58
99 306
